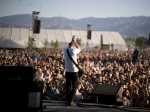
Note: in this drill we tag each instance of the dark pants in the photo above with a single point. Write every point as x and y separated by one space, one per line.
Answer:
134 60
71 85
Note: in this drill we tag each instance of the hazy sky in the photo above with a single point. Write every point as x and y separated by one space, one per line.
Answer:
76 9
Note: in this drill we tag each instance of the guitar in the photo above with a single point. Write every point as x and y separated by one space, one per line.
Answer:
81 70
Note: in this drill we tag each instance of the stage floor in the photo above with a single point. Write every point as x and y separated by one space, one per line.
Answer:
79 109
89 107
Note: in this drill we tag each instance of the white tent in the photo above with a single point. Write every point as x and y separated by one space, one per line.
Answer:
18 38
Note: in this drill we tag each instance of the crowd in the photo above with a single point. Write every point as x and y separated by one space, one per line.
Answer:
101 67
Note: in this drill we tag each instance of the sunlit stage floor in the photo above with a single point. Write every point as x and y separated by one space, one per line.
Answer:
54 106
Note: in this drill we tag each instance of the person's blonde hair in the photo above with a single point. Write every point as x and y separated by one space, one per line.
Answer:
39 70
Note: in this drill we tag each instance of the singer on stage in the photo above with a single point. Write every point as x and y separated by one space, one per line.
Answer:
71 71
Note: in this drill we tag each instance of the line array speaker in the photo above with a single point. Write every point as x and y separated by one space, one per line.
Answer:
37 26
89 32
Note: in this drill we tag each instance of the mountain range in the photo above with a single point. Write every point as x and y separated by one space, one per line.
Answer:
127 26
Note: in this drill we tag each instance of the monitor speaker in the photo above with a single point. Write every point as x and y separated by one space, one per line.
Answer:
37 25
106 94
89 32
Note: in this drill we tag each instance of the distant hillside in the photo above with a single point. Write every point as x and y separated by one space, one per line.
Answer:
126 26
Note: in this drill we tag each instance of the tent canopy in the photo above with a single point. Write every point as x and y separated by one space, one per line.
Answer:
18 38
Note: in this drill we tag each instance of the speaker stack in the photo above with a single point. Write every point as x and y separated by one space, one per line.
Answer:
19 93
89 34
37 26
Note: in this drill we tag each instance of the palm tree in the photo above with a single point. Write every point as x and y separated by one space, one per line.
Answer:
112 46
79 41
30 43
45 44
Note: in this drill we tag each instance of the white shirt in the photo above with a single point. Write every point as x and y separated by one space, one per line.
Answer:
39 76
78 94
69 65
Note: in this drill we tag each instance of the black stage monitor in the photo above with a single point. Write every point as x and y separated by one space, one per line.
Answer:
107 94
